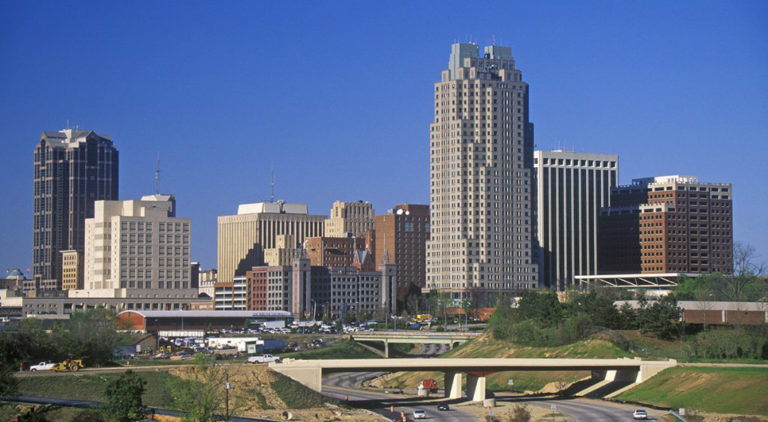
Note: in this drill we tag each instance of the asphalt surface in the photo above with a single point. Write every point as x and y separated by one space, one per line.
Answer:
582 410
380 403
347 385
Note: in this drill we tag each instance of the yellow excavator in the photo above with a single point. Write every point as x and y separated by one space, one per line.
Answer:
72 365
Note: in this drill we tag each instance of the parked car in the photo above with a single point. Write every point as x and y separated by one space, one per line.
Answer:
640 414
443 406
42 366
419 414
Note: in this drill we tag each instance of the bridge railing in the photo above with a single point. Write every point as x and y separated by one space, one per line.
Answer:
467 334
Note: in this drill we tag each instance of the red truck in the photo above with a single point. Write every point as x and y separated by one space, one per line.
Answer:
430 385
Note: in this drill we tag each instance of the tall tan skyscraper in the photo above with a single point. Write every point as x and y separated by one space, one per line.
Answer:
481 164
349 219
244 237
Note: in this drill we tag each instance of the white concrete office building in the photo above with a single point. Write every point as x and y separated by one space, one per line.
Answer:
571 187
137 248
481 165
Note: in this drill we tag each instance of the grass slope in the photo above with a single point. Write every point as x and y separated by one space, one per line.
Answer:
91 387
297 396
719 390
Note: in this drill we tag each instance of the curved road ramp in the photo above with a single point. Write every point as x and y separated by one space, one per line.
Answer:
609 376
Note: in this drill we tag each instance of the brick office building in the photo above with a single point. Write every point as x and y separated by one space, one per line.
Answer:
335 251
403 233
669 224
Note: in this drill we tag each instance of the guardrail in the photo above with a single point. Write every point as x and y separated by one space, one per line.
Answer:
415 334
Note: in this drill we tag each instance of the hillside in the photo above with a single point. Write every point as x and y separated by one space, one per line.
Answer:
719 390
258 392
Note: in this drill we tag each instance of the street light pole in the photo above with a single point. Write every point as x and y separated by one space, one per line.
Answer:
226 399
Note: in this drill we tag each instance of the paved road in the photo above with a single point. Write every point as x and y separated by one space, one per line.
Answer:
380 403
582 410
106 370
347 385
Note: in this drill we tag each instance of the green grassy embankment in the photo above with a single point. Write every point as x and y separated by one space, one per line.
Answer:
91 387
295 395
717 390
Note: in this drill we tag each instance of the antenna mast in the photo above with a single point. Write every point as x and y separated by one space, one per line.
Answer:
157 174
272 195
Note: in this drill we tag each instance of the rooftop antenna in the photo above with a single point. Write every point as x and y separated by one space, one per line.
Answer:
272 195
157 175
494 39
67 124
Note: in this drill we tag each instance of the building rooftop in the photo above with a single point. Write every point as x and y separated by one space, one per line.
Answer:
70 137
279 207
211 314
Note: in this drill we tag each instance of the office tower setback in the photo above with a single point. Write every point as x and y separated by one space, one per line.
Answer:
402 234
138 246
481 164
571 188
242 238
333 251
72 169
349 219
668 224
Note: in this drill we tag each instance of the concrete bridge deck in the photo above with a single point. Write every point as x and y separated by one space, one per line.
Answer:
411 337
628 371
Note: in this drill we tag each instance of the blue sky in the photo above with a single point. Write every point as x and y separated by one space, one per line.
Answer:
336 96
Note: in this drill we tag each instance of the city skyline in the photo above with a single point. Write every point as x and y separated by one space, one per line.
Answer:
205 104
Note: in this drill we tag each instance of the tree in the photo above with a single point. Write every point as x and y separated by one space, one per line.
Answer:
662 318
122 398
91 335
744 257
541 307
8 382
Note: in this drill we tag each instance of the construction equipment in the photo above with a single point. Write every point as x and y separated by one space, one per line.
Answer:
72 365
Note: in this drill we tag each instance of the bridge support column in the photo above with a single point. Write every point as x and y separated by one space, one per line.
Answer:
386 348
475 387
452 381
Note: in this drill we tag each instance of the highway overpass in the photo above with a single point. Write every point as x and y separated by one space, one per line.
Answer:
625 372
411 337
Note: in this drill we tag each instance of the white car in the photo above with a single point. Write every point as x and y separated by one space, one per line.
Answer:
42 366
640 414
419 414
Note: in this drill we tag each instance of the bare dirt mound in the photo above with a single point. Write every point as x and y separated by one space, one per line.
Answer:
260 392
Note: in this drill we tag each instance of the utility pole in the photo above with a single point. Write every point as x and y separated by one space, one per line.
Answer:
226 398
